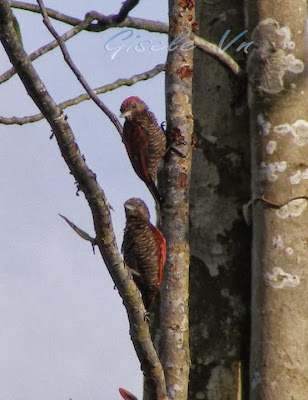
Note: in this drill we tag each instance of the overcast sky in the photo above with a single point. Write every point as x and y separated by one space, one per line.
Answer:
64 331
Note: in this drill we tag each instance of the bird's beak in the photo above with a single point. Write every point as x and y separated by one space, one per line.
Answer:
126 114
129 207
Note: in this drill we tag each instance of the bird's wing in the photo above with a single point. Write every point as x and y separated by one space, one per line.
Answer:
127 249
136 142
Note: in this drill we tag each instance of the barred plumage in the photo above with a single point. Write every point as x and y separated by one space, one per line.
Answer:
144 249
144 140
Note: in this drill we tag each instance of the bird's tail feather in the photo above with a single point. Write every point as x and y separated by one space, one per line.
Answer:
155 193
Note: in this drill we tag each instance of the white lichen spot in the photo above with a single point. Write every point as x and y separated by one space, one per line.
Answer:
285 34
299 131
302 92
260 119
272 177
298 177
264 125
282 129
295 178
271 147
272 47
293 86
173 391
277 241
280 166
305 174
293 209
272 169
289 251
297 206
300 128
283 212
280 279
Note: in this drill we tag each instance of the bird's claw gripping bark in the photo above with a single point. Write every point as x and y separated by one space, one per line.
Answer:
147 316
177 152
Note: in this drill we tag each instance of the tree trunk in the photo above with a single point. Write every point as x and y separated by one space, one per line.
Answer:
279 133
174 322
219 236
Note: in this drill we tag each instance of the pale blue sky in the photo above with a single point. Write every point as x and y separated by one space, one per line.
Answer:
64 331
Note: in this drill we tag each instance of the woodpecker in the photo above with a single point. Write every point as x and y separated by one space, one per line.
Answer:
144 250
144 140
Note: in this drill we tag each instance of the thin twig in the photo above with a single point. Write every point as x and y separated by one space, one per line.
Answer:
239 381
216 52
127 6
83 97
76 71
83 234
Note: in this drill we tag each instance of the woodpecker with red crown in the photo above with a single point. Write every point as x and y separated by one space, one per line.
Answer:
144 140
144 250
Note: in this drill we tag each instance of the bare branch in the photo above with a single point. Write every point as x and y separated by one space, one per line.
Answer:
105 22
83 97
50 46
127 6
52 13
95 196
213 50
83 234
76 71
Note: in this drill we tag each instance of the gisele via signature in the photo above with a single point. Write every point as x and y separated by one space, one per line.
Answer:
120 41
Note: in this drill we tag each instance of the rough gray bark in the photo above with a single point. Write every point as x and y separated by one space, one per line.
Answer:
279 132
219 236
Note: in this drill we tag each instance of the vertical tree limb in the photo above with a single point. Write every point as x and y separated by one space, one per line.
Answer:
220 240
175 212
277 98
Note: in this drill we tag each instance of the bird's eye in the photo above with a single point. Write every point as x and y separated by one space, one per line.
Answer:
134 105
